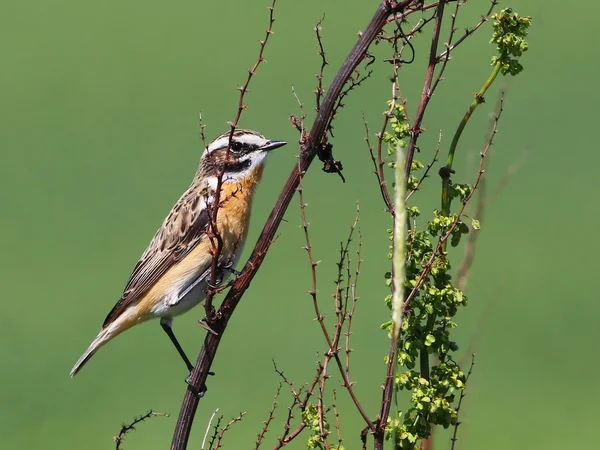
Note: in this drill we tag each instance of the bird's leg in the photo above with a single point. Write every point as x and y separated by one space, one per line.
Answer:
232 270
166 325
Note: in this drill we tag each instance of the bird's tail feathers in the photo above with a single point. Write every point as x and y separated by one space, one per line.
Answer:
121 324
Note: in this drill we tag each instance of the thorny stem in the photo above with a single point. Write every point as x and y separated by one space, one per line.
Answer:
469 31
216 239
320 89
130 427
332 344
208 429
226 428
427 169
426 93
454 438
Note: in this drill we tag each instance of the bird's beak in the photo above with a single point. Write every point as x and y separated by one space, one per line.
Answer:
272 145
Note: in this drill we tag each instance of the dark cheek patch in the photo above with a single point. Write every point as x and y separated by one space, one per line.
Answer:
238 166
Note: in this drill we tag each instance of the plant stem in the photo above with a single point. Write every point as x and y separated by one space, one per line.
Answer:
398 270
447 170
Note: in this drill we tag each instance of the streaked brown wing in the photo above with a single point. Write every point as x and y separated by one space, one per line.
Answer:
180 232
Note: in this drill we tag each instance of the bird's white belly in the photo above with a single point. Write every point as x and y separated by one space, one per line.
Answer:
176 301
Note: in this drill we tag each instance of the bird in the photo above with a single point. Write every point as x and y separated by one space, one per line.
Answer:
174 272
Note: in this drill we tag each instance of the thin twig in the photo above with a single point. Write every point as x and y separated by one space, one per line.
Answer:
440 75
469 31
126 428
208 429
337 421
260 436
416 187
216 239
320 89
226 428
288 436
426 92
354 299
454 438
215 433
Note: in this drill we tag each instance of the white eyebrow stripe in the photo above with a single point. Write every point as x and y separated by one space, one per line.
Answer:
219 143
251 139
222 142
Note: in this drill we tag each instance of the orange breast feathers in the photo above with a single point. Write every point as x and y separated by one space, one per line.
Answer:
233 220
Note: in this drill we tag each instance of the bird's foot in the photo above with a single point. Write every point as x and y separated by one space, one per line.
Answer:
198 391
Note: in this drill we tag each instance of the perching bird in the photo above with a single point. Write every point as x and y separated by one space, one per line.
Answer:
171 276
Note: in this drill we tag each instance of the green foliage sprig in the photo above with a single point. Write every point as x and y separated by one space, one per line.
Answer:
510 31
432 300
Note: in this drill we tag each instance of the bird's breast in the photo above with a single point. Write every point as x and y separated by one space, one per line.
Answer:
233 217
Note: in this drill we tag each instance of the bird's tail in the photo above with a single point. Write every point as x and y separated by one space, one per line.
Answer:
122 323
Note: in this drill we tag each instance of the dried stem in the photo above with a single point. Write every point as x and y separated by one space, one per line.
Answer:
426 92
469 31
226 428
126 428
337 421
208 429
428 168
216 239
454 438
320 89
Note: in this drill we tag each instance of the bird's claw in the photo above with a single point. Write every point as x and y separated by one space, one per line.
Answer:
199 392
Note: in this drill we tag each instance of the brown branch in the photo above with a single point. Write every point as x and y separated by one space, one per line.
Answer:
425 93
460 400
354 300
427 169
260 436
204 361
290 437
226 428
337 421
323 433
126 428
215 238
440 75
332 343
378 164
287 437
320 89
469 31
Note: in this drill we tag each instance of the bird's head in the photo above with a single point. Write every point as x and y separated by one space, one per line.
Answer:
247 153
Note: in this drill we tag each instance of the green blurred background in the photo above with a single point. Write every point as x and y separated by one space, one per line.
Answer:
99 106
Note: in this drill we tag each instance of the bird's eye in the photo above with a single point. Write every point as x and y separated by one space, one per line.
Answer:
236 147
